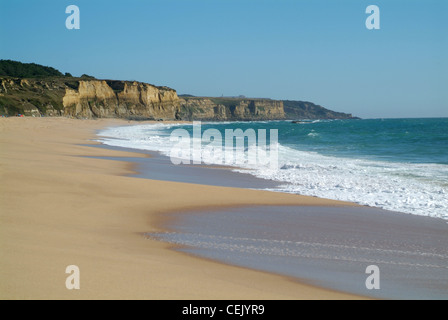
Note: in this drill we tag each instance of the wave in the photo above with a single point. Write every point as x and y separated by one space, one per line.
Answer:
374 183
404 187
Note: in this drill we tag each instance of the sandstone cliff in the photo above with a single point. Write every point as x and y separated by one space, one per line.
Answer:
219 109
92 98
36 90
120 99
78 98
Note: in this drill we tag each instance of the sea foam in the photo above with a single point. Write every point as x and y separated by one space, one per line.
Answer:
413 188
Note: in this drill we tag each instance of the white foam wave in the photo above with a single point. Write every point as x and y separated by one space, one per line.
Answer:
154 137
404 187
410 188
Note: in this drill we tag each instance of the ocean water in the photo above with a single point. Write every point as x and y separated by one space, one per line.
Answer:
394 164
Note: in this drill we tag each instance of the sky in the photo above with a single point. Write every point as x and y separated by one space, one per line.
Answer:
311 50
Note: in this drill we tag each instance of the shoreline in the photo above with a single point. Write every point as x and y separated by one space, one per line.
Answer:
61 206
212 175
381 175
328 247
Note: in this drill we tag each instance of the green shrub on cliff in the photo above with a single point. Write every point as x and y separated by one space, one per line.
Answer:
86 76
9 106
9 68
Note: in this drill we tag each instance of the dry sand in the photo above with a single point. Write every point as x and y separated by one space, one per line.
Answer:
58 208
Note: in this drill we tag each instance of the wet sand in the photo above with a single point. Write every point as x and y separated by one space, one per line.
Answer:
329 246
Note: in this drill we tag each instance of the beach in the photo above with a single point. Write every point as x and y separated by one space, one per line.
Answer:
293 150
61 206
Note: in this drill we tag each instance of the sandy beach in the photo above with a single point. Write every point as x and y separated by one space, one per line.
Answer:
61 207
231 150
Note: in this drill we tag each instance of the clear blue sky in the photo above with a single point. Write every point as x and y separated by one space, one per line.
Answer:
312 50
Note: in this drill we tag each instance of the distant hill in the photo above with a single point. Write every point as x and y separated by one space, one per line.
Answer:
295 110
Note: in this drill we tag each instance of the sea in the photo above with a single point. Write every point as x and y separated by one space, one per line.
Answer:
399 165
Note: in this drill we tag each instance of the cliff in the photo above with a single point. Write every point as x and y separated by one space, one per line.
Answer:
31 97
230 109
295 110
79 98
120 99
92 98
36 90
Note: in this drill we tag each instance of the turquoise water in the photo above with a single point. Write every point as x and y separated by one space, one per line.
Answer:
394 164
398 140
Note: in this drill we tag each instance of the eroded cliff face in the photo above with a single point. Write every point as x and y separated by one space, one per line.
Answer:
220 109
259 109
35 90
202 109
31 97
120 99
91 98
85 98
